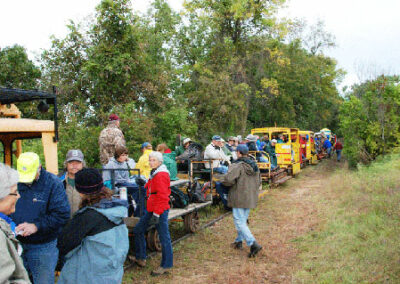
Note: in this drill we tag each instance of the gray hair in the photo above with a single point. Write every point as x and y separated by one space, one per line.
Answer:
8 177
65 164
156 155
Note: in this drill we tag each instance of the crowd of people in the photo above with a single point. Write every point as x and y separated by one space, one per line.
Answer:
75 223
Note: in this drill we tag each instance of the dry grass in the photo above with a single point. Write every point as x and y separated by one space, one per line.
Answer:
359 242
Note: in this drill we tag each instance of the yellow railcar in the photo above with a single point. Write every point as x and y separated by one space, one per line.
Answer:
288 147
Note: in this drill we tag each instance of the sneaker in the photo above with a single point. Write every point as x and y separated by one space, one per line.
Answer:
237 245
254 249
140 262
160 271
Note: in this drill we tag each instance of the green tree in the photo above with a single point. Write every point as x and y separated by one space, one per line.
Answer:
369 119
17 70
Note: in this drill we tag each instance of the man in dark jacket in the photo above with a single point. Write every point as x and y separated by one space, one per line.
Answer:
244 180
270 149
40 214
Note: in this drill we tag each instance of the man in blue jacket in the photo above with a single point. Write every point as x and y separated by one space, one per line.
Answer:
40 214
328 147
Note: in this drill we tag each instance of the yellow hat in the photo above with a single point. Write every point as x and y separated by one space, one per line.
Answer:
27 166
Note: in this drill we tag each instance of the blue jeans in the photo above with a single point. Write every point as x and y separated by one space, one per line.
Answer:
221 169
329 151
223 191
40 261
263 159
163 232
338 155
240 216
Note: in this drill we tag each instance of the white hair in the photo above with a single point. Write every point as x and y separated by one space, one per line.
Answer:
8 178
156 155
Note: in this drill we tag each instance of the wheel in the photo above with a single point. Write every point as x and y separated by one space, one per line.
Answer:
192 222
153 240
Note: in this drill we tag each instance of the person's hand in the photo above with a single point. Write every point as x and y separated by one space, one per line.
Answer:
155 219
140 181
26 229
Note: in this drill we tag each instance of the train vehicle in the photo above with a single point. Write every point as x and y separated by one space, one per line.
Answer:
288 147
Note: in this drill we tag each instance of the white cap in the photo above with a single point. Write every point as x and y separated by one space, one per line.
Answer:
274 141
186 140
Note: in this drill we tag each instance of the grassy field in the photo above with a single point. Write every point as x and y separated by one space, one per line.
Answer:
328 225
358 240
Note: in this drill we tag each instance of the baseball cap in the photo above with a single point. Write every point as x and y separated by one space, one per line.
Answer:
113 117
216 138
74 155
186 140
145 144
242 148
27 166
274 141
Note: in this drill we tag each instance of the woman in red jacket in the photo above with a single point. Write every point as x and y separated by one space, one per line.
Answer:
158 192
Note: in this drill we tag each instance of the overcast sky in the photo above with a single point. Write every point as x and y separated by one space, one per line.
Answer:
367 32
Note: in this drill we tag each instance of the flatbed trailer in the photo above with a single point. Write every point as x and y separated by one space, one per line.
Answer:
189 214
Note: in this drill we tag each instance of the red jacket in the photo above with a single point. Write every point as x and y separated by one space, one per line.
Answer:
338 146
158 191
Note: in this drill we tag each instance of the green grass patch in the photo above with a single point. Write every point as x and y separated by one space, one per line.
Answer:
359 241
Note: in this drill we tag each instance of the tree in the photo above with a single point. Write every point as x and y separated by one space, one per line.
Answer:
369 119
16 70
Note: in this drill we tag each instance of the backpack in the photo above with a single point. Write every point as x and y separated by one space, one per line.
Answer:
178 199
197 192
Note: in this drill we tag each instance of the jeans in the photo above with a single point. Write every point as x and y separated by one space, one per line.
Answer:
263 159
163 232
223 191
329 151
338 155
221 169
240 216
40 261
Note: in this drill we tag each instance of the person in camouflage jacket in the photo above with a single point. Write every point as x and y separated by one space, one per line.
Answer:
109 138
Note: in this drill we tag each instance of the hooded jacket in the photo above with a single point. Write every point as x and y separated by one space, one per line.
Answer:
119 176
244 180
12 268
158 190
143 163
95 244
170 163
44 204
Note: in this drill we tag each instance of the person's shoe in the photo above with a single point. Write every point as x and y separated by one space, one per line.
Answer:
140 262
254 249
237 245
160 271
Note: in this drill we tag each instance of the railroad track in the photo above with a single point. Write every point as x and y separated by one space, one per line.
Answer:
131 264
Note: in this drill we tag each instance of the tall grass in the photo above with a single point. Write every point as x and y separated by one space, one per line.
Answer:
359 239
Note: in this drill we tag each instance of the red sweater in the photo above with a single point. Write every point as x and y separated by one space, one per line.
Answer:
338 146
158 192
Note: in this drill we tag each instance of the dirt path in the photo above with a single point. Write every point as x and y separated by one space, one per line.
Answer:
283 215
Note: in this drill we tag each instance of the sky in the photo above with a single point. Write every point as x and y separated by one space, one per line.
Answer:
367 32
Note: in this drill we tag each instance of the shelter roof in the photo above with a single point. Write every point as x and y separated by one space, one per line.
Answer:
9 96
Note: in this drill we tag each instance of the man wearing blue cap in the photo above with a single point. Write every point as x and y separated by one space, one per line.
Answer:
243 180
214 152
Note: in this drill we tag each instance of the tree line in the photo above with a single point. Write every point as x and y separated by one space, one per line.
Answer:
216 67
